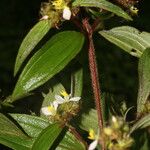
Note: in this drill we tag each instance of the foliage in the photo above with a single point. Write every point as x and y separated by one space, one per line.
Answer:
57 67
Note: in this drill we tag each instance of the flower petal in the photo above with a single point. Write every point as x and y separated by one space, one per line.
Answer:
66 13
59 99
55 104
93 145
75 99
46 111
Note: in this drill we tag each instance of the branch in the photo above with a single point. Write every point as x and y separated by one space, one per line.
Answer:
94 75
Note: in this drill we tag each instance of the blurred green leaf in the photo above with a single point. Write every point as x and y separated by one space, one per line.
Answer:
69 142
142 123
47 137
144 80
129 39
48 61
12 136
89 121
145 146
77 82
32 125
141 140
30 41
103 4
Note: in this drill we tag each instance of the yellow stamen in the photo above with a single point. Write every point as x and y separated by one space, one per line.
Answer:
91 134
51 108
59 4
64 93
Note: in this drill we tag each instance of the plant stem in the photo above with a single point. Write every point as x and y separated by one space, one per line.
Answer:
94 75
77 135
95 24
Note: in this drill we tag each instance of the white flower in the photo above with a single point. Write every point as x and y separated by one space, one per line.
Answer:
50 110
94 137
66 98
93 145
66 13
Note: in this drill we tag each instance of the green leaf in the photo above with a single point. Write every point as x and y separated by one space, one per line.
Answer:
48 61
129 39
103 4
47 137
12 136
30 41
90 121
69 142
141 140
142 123
144 80
56 88
32 125
77 82
145 146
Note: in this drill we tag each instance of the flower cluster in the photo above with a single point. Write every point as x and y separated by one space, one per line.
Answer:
62 5
115 136
55 10
63 99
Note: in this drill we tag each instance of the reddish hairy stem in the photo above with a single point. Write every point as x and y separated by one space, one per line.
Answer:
77 135
95 24
94 75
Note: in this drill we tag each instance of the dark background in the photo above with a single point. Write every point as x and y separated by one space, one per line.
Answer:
16 19
118 70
